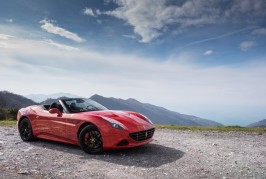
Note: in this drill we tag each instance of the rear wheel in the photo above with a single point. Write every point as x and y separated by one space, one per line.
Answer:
25 130
90 140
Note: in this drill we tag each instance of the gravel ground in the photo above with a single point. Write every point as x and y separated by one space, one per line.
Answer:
172 154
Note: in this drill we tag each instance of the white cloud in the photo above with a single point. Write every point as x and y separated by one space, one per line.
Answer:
106 2
88 11
150 17
99 21
9 20
51 28
218 36
245 45
98 12
259 31
3 40
130 36
61 46
208 52
5 36
186 87
249 9
4 45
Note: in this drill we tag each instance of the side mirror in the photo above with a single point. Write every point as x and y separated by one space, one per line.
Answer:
55 111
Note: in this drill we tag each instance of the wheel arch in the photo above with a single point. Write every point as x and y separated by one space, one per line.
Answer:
22 117
84 125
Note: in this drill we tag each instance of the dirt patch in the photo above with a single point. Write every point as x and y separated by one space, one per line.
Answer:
173 154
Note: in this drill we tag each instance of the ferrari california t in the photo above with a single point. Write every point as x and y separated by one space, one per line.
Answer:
86 123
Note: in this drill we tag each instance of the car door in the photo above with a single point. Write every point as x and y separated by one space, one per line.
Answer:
56 125
50 126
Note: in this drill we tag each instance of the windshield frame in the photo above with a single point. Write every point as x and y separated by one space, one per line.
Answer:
96 106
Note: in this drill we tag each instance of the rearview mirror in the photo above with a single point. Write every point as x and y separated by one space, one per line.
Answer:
55 111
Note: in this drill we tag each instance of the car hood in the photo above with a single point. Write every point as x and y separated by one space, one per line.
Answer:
127 118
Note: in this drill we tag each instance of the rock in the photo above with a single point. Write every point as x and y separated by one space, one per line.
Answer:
23 172
34 171
28 149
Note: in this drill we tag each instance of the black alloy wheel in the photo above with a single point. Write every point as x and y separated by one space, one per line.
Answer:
90 140
25 130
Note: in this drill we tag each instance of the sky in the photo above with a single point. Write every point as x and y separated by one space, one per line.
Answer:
199 57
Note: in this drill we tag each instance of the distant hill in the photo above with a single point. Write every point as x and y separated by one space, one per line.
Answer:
51 100
261 123
158 115
11 100
42 97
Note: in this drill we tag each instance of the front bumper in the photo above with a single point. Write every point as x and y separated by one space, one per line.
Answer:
113 138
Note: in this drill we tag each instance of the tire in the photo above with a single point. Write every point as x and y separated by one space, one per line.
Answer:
25 130
90 140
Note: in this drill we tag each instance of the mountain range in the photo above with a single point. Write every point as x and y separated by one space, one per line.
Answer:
42 97
11 100
157 114
261 123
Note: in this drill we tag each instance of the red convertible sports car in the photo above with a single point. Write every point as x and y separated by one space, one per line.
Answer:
84 122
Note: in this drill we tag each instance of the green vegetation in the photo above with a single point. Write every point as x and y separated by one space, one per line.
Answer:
8 113
212 128
8 122
8 116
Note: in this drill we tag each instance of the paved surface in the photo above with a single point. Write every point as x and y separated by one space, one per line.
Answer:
173 154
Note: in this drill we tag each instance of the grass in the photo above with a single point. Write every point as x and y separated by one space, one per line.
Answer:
213 128
174 127
8 122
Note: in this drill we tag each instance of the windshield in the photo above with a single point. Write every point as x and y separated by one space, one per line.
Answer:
82 105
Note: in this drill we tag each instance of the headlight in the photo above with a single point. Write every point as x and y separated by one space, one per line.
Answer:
115 124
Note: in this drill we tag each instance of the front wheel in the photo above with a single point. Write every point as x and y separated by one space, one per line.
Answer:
90 140
25 130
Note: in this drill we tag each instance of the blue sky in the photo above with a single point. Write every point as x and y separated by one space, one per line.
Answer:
199 57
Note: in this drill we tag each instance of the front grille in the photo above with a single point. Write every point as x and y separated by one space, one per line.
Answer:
142 135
